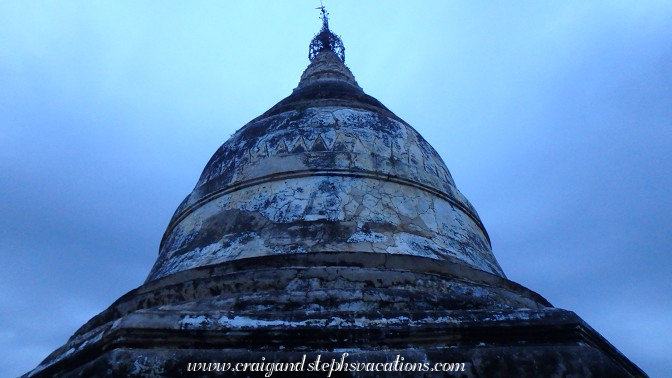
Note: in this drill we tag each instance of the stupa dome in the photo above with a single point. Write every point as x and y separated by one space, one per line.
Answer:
327 169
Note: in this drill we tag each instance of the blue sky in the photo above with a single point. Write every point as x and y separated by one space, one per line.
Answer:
554 118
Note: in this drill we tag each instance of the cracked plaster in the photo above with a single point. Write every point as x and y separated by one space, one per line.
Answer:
371 216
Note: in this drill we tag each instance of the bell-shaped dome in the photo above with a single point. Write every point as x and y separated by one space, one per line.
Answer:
327 169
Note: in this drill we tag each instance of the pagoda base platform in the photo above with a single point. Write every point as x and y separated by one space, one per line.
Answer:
401 314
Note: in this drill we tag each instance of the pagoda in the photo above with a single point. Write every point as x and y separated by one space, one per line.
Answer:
328 230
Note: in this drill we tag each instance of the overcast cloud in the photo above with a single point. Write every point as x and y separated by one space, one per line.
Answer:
555 120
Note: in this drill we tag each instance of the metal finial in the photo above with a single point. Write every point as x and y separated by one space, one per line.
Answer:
324 16
325 39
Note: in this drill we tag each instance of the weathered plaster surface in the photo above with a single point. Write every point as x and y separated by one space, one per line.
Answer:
324 179
321 213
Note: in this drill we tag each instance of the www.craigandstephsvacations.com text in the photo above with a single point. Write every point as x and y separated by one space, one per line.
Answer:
326 366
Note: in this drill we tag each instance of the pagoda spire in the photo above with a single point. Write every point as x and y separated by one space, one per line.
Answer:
325 39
